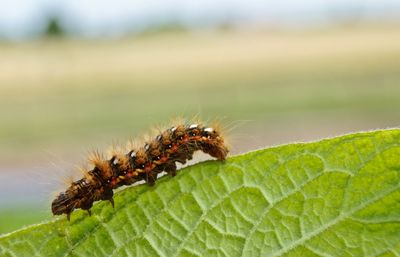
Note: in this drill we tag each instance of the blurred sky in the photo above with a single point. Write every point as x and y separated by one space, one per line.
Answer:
21 19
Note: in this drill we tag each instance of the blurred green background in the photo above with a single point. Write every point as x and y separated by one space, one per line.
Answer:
62 96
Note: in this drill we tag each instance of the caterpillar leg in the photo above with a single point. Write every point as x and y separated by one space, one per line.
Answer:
112 202
107 195
150 179
170 168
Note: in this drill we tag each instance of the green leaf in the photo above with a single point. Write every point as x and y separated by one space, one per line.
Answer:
336 197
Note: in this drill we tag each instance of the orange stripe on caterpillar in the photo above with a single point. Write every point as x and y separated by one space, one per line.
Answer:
176 144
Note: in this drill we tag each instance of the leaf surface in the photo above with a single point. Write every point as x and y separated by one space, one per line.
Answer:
336 197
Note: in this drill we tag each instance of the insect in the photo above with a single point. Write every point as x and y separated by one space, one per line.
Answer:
176 144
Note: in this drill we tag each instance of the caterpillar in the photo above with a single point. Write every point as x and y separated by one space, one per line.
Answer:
176 144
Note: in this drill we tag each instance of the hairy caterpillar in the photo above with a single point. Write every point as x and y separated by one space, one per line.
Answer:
176 144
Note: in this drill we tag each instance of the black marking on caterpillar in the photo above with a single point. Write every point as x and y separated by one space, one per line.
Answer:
176 144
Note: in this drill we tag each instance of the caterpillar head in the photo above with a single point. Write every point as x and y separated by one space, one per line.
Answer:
213 143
